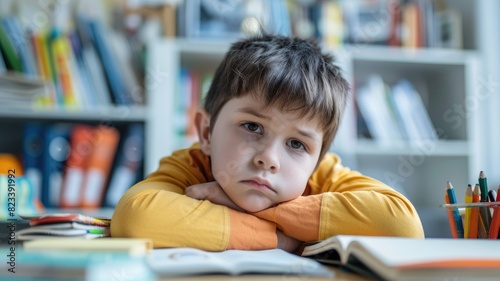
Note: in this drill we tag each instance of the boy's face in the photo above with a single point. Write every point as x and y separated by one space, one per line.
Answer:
262 157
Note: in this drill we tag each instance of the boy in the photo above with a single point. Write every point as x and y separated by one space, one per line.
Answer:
260 176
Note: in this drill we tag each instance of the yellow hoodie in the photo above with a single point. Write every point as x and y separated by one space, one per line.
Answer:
336 201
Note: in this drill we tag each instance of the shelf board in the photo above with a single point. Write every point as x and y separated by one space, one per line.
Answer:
441 56
204 46
407 55
115 113
439 148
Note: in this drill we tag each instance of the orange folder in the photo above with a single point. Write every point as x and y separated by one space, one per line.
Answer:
82 144
99 166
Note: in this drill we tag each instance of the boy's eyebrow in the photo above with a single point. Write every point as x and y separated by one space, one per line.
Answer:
310 135
305 133
252 112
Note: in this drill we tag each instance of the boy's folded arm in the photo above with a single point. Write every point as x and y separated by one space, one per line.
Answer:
316 217
340 201
368 213
357 204
160 211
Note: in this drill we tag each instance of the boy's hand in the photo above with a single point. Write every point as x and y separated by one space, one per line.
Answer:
212 192
287 243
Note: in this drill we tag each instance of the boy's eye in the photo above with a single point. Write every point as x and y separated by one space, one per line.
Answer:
295 144
253 127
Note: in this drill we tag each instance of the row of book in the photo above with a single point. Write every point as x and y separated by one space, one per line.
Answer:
399 23
393 114
415 23
80 165
192 86
226 19
85 63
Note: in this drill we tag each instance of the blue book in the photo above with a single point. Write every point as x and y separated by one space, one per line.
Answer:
114 76
55 153
32 156
128 168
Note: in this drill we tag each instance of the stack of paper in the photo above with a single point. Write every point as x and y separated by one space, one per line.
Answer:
65 225
20 91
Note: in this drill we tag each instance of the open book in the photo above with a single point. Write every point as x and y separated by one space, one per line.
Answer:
396 258
190 261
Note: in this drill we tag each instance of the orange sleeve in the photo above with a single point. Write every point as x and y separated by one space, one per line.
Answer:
298 218
356 204
157 208
250 233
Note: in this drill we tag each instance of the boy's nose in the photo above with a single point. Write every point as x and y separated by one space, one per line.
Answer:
267 159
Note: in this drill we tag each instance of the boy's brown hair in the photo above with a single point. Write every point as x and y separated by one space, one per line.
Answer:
290 74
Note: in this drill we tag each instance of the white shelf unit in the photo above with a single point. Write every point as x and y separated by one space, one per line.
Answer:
447 81
165 59
445 77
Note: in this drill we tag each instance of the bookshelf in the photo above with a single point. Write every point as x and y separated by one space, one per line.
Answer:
90 75
446 80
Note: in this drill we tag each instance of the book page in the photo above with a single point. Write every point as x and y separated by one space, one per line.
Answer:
338 243
408 252
189 261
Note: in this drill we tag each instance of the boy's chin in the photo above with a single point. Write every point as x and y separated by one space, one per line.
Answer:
253 208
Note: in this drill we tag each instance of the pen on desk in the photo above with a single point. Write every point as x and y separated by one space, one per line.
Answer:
474 217
492 195
495 221
468 211
96 231
456 214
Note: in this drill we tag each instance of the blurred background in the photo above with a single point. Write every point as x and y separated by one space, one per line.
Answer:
94 93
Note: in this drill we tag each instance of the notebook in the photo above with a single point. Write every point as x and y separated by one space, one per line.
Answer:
397 258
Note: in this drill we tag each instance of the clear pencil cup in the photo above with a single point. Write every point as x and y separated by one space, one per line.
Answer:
479 220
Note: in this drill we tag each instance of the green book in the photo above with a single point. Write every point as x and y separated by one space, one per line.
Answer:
11 57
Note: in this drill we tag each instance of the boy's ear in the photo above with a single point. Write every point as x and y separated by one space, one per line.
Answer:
202 123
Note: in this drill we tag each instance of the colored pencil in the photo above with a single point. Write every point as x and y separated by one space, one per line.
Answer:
482 231
474 218
456 214
483 184
451 220
468 211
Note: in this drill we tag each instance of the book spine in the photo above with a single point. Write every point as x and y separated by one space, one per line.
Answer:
56 150
99 166
82 144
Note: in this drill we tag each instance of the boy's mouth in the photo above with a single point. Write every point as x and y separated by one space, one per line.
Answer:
259 183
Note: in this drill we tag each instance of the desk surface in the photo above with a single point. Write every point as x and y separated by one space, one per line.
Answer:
339 275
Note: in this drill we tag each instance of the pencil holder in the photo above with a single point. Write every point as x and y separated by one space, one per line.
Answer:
479 220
